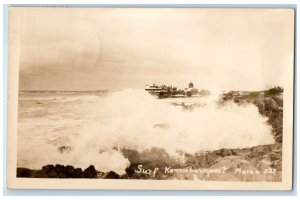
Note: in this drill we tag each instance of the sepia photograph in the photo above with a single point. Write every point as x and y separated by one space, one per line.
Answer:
162 98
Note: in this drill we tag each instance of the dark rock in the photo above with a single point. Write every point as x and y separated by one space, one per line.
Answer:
270 105
236 100
78 173
278 101
277 147
124 176
24 172
278 138
60 169
241 152
196 160
39 174
46 168
278 165
211 158
69 171
50 171
111 175
224 152
260 105
90 172
130 171
258 151
275 156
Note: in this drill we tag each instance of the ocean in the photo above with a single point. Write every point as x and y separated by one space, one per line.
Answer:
91 128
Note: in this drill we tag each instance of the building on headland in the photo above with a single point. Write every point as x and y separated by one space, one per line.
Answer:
155 89
170 91
191 90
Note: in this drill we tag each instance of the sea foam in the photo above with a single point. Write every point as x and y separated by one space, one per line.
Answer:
98 127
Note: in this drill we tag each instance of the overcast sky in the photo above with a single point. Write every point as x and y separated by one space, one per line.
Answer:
91 49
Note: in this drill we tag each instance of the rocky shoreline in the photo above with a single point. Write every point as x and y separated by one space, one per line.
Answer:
269 104
258 163
259 158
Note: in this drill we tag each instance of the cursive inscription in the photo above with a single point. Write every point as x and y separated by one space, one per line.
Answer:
205 171
147 171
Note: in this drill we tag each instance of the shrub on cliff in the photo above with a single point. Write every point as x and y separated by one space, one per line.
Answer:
274 91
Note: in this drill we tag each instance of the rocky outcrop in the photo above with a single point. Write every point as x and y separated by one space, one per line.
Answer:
90 172
268 104
269 153
258 158
272 107
112 175
58 171
61 171
261 158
